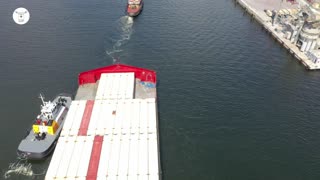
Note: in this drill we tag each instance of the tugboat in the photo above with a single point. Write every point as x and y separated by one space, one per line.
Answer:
134 7
41 140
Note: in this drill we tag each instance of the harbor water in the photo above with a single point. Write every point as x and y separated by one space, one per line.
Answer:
233 104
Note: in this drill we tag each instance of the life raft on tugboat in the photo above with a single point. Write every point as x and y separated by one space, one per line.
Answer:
41 140
134 7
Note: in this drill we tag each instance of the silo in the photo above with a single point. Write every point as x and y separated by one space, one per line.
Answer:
303 47
281 12
293 36
288 35
313 45
269 13
308 45
286 12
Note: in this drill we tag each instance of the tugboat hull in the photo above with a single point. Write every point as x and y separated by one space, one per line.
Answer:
37 155
38 146
133 12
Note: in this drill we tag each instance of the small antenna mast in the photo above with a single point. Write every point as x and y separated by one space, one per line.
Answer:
42 98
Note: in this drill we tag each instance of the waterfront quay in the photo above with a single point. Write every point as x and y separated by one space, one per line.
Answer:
293 40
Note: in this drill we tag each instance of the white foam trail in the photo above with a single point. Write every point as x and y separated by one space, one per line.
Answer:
125 28
20 167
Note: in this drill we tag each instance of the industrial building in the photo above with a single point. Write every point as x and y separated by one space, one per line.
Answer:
301 26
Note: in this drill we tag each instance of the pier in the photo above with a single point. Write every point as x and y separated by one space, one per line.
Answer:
260 16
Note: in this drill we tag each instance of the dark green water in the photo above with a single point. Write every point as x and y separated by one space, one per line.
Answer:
233 104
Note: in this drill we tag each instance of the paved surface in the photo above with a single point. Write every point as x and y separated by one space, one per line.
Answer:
270 4
87 91
141 91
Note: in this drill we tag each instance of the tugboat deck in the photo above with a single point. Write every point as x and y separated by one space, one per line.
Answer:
110 132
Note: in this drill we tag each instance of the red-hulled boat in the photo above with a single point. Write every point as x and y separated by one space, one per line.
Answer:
134 7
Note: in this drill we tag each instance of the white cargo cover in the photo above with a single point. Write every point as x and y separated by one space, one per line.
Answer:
115 86
129 156
73 119
123 116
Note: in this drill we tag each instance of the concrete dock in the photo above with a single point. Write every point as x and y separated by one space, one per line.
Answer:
256 9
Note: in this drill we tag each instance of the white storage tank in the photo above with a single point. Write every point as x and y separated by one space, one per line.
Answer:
308 46
288 35
293 36
313 45
286 12
269 13
303 47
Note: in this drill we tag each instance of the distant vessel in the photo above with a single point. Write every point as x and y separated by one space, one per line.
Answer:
134 7
41 140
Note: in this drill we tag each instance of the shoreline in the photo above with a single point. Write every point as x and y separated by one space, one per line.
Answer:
265 21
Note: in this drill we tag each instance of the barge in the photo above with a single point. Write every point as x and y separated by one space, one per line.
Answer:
111 130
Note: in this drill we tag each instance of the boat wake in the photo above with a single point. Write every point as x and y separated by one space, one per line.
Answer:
125 24
20 167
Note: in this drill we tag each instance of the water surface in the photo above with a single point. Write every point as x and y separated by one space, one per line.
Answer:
233 104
